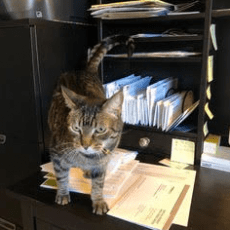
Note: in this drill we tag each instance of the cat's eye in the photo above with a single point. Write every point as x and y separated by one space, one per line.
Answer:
100 130
76 129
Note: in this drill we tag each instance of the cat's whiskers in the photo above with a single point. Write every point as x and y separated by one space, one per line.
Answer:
73 154
63 144
62 147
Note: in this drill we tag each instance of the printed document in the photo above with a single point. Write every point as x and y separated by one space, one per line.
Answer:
150 202
171 175
120 167
149 195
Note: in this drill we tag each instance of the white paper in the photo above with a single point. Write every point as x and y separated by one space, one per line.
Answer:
166 54
172 175
134 110
151 95
157 3
159 94
118 171
150 202
171 109
183 116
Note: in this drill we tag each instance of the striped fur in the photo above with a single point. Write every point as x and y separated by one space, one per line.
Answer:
85 125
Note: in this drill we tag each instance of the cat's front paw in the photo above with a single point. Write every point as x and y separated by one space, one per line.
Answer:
62 199
100 207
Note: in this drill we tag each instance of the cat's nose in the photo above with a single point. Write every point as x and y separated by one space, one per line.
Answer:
86 142
85 147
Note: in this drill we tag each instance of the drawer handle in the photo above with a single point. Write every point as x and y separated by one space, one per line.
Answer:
144 142
2 139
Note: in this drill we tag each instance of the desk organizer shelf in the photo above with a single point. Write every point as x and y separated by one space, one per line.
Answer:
191 71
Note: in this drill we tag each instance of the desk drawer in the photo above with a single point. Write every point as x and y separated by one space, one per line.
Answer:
150 141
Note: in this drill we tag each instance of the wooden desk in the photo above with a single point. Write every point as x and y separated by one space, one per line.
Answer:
210 208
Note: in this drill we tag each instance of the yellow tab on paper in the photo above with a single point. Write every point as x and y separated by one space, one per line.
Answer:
50 183
205 129
183 151
208 92
213 36
210 69
208 111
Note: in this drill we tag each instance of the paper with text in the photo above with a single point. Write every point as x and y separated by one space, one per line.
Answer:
172 175
118 171
183 151
150 202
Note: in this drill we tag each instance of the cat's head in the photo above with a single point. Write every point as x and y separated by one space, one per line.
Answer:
95 125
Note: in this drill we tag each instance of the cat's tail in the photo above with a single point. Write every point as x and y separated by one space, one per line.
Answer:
100 50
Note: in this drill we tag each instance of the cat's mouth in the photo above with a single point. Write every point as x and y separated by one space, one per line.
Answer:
91 153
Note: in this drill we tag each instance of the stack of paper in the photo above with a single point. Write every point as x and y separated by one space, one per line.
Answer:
182 117
157 92
166 200
219 161
139 9
134 108
131 9
152 104
161 54
118 170
211 143
139 97
173 32
113 87
170 108
150 195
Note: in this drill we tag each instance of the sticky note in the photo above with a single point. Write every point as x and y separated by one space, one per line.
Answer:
208 111
183 151
205 129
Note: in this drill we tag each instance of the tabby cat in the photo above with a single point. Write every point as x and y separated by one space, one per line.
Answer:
85 126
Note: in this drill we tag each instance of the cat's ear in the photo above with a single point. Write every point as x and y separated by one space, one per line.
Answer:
114 104
71 98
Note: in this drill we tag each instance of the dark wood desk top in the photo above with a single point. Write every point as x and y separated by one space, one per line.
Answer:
210 208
